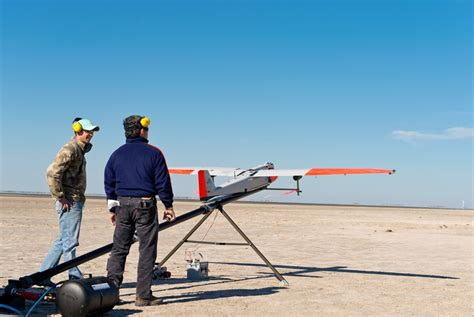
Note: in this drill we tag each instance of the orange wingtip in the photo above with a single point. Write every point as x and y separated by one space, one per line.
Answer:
345 171
180 171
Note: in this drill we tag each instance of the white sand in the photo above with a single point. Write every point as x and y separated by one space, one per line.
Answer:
339 261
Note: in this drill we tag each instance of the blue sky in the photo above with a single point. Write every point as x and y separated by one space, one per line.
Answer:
383 84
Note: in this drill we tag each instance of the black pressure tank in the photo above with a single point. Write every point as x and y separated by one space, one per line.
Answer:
86 297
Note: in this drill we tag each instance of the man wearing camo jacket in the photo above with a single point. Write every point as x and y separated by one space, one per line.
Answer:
66 177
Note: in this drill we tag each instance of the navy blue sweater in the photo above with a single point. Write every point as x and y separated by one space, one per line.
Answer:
138 169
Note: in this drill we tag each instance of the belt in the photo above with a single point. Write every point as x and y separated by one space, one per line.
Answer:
145 202
138 197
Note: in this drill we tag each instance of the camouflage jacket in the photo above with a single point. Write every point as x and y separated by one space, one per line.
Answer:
67 173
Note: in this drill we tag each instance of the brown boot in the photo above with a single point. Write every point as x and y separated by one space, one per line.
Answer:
150 301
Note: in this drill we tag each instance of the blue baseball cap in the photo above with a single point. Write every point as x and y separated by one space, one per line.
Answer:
86 124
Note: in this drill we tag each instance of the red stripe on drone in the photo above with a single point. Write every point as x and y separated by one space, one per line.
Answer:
202 185
345 171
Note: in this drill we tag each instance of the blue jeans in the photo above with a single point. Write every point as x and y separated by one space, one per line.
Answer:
68 238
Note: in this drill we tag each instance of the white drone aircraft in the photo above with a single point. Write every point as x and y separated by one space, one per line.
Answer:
244 183
257 178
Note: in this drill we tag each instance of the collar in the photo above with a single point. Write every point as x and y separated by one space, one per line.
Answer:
85 147
137 139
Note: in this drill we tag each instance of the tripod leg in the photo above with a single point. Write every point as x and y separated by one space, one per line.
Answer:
277 274
185 238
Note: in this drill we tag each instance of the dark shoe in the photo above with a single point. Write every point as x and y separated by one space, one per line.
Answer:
150 301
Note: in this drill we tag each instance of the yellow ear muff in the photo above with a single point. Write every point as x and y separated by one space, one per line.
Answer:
145 122
77 127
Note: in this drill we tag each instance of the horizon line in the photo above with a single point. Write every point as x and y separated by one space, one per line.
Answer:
187 199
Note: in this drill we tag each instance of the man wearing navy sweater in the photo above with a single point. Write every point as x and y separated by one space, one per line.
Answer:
135 173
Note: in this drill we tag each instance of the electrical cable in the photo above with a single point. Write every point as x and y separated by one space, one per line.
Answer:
196 246
13 309
40 299
16 311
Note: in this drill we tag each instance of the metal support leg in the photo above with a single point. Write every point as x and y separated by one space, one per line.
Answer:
250 243
185 239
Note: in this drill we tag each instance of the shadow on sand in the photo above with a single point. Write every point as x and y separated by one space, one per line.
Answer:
302 271
296 271
205 295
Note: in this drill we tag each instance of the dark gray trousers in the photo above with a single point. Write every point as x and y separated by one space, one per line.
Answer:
140 215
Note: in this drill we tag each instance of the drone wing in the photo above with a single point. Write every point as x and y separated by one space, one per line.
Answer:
321 171
252 179
232 171
213 171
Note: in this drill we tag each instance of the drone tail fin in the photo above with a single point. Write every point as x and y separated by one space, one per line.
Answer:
206 184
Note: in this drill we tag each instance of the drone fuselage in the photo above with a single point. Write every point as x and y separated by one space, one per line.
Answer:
242 182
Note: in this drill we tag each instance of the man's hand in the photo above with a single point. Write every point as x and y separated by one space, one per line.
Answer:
65 205
112 218
169 215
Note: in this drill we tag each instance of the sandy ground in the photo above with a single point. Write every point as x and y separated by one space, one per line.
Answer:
339 261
